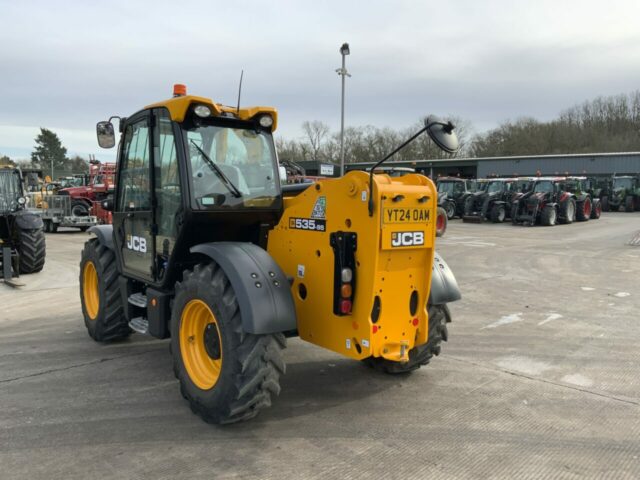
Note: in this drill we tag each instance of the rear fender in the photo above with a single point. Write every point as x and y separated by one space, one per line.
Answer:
444 287
104 233
260 285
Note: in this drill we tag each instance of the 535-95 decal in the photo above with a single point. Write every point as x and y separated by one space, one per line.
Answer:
312 224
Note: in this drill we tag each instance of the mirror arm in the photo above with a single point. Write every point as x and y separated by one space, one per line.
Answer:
447 126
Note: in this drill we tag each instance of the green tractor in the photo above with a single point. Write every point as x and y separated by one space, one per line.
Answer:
22 244
625 192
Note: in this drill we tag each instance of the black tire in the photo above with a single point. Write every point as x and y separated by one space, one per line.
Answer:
468 206
47 226
568 211
109 323
84 229
596 209
605 203
439 316
614 208
32 250
549 216
441 222
79 208
514 214
54 227
498 213
251 364
629 204
450 208
583 210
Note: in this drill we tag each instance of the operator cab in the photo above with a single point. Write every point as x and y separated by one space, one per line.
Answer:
190 171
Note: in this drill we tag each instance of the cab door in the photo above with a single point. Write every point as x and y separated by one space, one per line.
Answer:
133 216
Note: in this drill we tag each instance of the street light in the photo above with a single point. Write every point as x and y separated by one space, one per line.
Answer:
344 51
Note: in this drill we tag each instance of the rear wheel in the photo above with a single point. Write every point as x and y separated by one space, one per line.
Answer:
100 294
605 203
441 222
439 316
79 208
583 210
32 250
498 213
226 374
549 216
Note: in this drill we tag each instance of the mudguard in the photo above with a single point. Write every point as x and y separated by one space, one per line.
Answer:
262 288
444 287
104 234
29 220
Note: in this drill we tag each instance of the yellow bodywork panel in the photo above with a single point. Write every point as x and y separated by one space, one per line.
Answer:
394 256
179 106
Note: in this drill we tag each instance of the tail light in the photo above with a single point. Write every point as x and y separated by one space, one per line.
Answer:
344 247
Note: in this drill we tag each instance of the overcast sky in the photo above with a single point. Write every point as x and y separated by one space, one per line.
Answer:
65 65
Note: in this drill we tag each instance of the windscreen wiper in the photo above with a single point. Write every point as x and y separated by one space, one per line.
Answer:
218 171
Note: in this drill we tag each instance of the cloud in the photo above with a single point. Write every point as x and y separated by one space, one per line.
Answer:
69 64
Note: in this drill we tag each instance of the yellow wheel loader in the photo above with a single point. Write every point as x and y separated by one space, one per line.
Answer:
208 248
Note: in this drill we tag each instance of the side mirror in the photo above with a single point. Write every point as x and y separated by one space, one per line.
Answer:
442 134
107 204
106 134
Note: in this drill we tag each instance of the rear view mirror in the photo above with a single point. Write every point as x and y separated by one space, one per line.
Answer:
442 134
107 204
106 134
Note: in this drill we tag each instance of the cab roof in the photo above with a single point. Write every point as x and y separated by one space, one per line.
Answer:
179 106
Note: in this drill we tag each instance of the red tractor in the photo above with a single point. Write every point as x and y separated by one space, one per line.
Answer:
85 200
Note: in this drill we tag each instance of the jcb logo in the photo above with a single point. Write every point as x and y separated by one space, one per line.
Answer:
137 244
407 239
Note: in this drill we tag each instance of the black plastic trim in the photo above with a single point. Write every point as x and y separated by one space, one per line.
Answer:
260 285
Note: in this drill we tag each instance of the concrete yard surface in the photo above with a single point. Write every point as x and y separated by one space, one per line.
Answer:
540 379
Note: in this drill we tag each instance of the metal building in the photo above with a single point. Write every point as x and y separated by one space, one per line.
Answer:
604 164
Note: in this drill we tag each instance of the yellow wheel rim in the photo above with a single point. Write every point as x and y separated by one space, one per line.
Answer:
198 325
90 291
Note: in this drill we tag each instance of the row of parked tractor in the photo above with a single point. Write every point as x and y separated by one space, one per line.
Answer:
536 200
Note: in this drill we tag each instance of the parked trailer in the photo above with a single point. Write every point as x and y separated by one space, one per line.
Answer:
56 212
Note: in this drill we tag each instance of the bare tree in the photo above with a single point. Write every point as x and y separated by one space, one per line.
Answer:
317 134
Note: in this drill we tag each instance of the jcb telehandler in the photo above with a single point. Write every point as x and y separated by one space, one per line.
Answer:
22 242
207 248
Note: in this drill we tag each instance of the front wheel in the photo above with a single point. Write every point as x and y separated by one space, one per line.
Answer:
451 210
439 316
568 211
605 203
100 294
32 250
498 213
596 210
548 216
226 374
629 204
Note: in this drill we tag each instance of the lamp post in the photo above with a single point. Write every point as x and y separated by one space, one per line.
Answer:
344 51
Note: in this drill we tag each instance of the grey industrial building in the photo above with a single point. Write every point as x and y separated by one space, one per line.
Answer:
601 164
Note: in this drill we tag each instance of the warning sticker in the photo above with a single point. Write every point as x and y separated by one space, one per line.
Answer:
319 208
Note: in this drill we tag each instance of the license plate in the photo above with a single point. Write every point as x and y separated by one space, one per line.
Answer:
405 215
